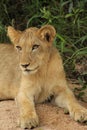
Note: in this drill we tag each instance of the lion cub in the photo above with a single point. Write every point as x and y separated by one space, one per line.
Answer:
34 71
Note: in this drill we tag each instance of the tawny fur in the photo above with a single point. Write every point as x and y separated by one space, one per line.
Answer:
34 71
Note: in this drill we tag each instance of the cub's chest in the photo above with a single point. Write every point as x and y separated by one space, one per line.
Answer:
44 91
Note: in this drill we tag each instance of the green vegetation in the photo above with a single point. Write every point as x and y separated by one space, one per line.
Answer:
69 17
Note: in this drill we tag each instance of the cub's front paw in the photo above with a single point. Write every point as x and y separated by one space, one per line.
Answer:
28 122
79 114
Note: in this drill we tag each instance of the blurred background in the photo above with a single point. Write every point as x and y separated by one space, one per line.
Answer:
69 17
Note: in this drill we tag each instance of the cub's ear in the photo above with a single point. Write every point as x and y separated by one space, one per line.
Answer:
47 33
13 34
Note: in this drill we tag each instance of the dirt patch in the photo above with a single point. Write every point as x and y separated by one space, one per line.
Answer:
51 118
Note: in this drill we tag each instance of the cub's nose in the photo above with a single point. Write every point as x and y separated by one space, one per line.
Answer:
25 65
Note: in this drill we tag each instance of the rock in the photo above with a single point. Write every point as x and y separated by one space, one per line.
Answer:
51 117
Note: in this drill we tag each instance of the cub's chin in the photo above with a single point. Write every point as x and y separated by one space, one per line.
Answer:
30 71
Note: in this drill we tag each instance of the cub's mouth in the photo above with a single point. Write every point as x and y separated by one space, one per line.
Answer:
31 70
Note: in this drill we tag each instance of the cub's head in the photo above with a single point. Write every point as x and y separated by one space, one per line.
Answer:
33 46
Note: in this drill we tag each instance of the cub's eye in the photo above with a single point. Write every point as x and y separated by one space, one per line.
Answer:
35 47
19 48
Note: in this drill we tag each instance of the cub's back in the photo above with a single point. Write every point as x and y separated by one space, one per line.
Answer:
9 68
8 58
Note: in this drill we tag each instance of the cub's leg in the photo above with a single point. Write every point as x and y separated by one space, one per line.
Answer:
28 116
65 99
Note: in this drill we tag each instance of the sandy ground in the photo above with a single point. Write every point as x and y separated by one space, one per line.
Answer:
51 118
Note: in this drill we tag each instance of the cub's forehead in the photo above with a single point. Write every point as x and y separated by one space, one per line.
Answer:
29 35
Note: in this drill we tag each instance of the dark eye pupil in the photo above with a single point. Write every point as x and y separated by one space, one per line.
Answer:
35 47
19 48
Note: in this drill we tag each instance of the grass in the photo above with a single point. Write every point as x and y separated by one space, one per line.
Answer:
69 17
